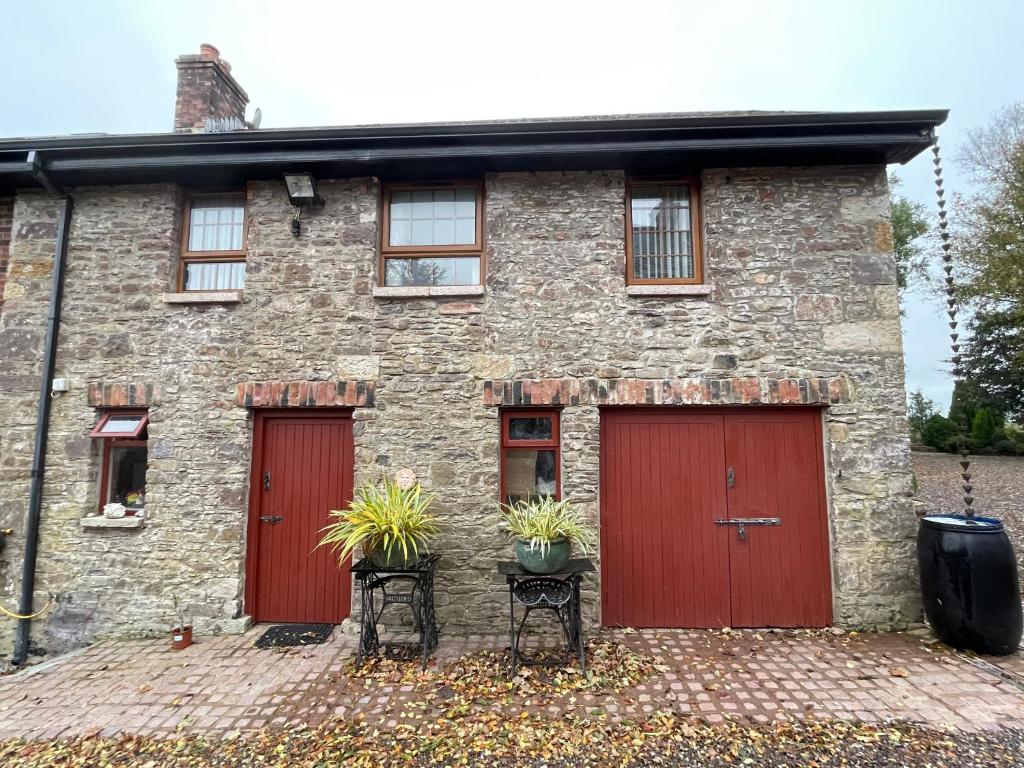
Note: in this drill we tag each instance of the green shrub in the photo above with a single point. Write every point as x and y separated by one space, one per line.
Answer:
983 428
1006 448
939 432
954 444
1015 433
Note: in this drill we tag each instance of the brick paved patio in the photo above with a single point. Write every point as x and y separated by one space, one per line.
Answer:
223 685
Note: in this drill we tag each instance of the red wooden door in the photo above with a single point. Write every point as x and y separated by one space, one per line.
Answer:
302 468
778 575
664 563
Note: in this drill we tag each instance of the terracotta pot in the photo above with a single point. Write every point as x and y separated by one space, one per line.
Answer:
181 637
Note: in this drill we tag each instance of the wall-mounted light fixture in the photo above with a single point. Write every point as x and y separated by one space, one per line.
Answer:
301 194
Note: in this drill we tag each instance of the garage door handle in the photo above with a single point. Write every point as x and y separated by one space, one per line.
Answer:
741 523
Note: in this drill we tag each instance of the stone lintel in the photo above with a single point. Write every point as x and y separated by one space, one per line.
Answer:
136 394
354 393
751 390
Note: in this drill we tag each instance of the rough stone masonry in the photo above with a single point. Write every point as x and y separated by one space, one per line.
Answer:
802 308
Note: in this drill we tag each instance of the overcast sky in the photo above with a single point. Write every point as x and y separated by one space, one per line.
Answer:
105 66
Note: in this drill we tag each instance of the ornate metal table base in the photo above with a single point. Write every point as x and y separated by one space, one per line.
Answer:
411 585
556 592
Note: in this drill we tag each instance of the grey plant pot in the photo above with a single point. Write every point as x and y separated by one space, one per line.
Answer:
552 561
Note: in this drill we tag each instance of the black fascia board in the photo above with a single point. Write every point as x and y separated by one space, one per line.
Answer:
434 150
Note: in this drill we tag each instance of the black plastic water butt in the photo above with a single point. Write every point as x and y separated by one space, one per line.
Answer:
969 583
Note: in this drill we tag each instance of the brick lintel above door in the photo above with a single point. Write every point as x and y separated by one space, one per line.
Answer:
306 394
753 390
134 394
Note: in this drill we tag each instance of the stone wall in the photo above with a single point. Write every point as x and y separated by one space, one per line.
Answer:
803 276
802 279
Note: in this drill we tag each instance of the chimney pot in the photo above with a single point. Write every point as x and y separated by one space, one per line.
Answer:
207 89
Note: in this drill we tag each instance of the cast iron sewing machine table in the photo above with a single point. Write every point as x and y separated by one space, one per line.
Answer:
412 585
556 592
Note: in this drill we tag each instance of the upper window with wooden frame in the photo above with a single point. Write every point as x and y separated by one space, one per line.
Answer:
123 472
213 246
663 233
530 455
432 234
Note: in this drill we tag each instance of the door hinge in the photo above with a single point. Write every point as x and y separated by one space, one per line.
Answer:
266 480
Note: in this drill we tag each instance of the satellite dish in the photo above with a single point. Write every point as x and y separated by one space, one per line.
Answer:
257 118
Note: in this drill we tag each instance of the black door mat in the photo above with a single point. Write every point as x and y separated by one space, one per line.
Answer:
292 635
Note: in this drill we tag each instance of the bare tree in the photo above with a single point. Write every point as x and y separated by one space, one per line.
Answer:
988 152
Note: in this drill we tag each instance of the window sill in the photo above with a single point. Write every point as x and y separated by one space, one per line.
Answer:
113 522
426 291
669 290
203 297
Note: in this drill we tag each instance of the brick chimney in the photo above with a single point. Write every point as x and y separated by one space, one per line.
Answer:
206 89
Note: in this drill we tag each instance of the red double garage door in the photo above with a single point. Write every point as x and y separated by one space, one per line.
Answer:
714 518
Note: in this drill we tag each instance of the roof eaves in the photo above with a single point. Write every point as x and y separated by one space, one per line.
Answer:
750 121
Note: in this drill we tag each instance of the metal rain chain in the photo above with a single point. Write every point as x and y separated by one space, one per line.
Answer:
951 310
969 584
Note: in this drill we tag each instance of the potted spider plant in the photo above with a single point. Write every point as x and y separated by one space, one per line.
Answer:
393 525
181 633
545 531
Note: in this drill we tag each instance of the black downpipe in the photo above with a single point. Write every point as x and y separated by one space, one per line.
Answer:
35 497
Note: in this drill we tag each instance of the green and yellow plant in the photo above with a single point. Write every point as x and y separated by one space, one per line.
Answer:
543 520
386 520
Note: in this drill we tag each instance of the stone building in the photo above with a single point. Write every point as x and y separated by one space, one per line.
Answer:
672 320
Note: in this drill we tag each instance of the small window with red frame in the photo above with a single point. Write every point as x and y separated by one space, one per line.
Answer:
530 455
123 471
